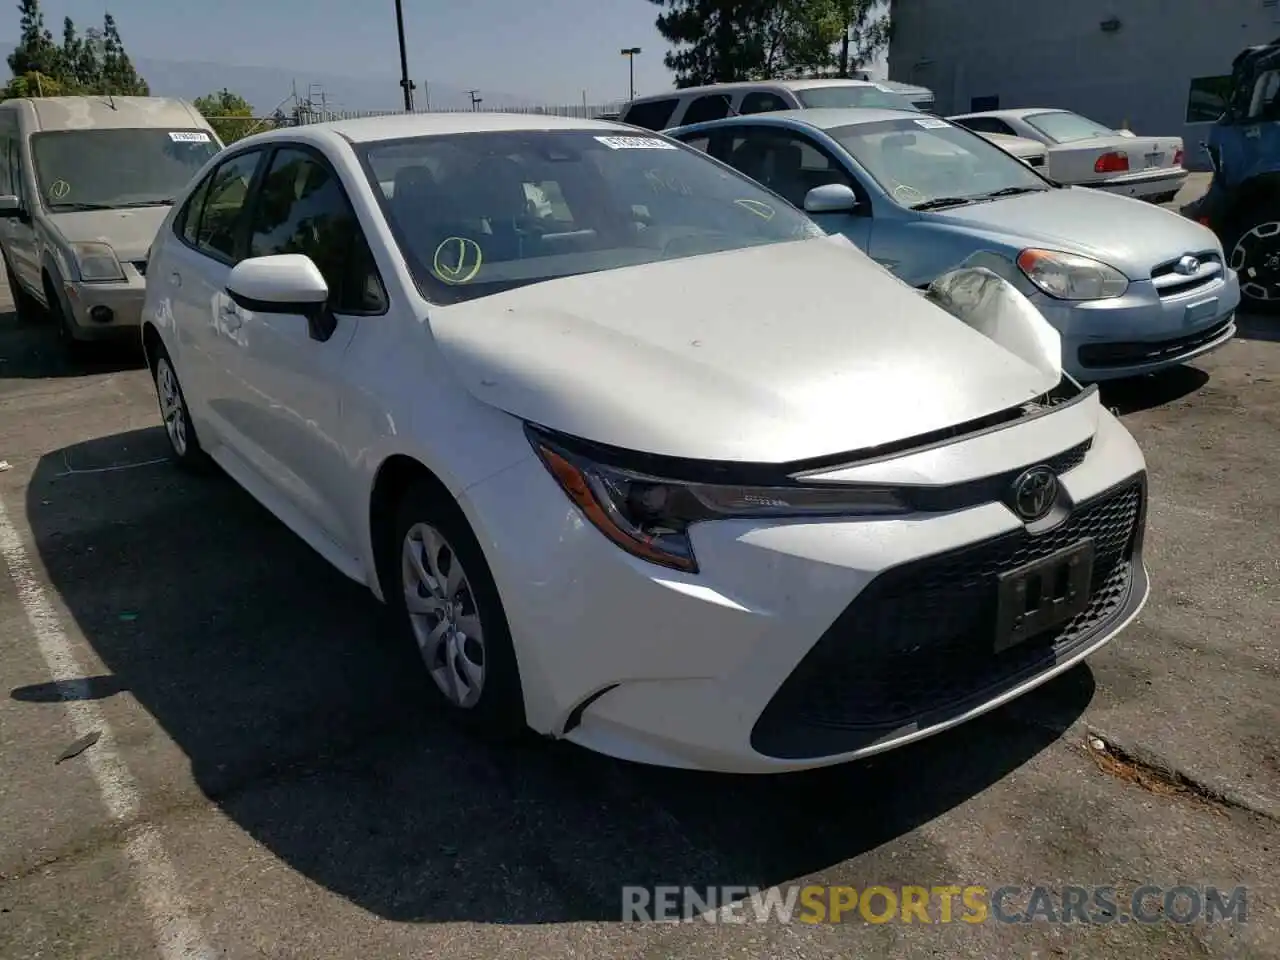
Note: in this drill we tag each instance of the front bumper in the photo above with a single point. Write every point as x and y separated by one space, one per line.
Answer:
1142 332
753 665
103 311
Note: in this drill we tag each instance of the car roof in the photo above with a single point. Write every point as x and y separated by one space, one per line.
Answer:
821 118
94 112
1019 112
757 85
401 125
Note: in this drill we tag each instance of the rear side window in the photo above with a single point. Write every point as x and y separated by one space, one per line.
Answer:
762 103
711 107
651 114
212 217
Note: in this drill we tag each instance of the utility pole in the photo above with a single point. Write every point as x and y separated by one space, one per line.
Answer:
475 101
405 82
630 54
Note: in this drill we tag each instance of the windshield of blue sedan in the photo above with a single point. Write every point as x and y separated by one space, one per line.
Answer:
1063 127
109 169
925 162
479 213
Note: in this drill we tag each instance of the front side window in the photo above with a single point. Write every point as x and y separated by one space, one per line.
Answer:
1063 127
302 208
478 213
788 163
926 162
1265 104
106 169
218 219
855 95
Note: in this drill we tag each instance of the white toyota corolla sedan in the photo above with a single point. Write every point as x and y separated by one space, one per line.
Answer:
639 457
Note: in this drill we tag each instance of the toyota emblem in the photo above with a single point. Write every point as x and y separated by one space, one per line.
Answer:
1034 493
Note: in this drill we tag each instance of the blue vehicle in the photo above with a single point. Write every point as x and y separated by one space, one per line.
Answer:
1132 288
1243 202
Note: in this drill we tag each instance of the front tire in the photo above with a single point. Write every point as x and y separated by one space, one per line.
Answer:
1253 250
184 445
443 596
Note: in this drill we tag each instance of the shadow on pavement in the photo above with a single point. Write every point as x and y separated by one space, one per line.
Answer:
1259 327
305 726
1152 390
30 350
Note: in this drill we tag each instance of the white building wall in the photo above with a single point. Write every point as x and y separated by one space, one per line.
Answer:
1039 54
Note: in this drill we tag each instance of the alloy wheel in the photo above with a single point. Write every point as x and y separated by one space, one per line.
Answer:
1256 258
443 614
172 408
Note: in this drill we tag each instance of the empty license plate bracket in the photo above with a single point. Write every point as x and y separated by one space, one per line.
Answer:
1043 594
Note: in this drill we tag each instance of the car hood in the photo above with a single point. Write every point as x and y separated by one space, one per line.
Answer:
130 232
771 354
1131 235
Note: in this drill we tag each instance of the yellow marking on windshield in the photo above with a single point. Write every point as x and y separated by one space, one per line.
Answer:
464 267
758 207
59 189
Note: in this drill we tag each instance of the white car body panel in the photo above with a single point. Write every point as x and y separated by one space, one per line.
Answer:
771 354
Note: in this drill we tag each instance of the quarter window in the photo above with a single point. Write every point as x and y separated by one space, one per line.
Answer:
1207 99
303 209
651 114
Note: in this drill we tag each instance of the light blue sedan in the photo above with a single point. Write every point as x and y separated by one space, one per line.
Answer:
1131 287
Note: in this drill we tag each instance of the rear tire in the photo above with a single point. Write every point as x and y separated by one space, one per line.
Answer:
184 445
445 602
1252 246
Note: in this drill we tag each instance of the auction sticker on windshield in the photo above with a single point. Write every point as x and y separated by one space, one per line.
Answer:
931 123
188 136
635 143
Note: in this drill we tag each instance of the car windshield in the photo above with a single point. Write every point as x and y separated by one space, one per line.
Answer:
854 95
1063 127
479 213
925 161
114 168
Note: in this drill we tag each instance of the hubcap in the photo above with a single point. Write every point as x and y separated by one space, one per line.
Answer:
443 614
171 408
1256 258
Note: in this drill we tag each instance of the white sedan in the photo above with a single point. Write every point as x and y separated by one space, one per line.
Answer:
642 465
1088 154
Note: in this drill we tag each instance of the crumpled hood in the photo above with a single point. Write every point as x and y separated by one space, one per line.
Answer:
130 232
769 354
1131 235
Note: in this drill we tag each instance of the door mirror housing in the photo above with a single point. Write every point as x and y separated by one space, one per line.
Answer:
831 198
10 208
284 283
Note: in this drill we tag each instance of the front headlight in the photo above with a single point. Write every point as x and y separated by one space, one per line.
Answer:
650 516
1068 276
97 262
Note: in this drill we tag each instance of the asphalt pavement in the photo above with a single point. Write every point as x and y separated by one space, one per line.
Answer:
265 781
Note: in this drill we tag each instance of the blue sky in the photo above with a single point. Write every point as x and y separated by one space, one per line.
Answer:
543 51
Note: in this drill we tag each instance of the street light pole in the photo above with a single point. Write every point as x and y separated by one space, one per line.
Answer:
630 54
405 82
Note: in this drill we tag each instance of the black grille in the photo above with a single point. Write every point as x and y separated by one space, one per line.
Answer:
1185 285
1101 355
917 644
989 489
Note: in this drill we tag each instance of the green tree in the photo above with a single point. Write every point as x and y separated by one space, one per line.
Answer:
88 65
36 53
230 115
718 41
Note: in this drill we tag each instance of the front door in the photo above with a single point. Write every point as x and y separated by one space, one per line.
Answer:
292 385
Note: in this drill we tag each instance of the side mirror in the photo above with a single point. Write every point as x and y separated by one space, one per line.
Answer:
284 283
831 198
10 208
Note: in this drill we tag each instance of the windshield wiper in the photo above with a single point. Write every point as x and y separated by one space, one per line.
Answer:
1011 192
937 203
80 206
166 202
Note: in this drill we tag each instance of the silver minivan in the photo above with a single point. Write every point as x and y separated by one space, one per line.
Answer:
85 182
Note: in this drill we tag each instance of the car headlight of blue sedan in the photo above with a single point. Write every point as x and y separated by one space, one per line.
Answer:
1068 276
